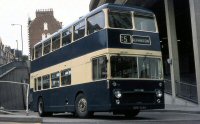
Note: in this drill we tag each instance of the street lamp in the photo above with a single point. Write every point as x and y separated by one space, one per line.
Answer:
21 35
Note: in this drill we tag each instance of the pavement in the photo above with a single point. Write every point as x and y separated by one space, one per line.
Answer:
19 116
171 105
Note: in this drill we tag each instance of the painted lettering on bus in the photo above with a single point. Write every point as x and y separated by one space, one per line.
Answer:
135 39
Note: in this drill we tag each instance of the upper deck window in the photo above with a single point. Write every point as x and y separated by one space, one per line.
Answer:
38 51
56 42
47 47
95 22
79 30
66 37
145 23
120 20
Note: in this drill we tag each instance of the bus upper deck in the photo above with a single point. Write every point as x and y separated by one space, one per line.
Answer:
110 26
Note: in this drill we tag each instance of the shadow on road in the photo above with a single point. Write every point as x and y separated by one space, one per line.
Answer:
101 116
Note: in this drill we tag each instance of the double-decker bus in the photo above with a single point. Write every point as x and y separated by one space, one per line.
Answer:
107 61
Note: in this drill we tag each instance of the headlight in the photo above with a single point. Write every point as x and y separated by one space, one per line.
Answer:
159 93
118 94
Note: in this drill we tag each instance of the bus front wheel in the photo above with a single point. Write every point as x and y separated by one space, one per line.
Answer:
81 106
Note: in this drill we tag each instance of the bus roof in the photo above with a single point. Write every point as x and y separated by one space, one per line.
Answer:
104 6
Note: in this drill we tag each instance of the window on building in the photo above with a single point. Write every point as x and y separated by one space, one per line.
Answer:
95 23
55 79
66 37
66 77
99 68
43 36
39 83
46 81
47 47
45 26
48 35
38 51
79 30
56 42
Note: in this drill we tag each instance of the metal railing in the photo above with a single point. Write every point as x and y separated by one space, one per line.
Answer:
187 91
3 83
184 90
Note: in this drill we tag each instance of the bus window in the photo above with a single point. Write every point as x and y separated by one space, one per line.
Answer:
99 68
46 81
47 47
55 79
150 68
124 67
39 81
144 23
79 30
66 77
120 20
66 37
95 23
32 56
38 51
35 84
56 42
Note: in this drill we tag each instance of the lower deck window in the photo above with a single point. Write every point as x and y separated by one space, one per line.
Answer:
99 68
136 67
46 82
66 77
124 67
55 80
39 83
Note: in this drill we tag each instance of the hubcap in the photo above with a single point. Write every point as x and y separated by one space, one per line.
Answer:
82 105
40 107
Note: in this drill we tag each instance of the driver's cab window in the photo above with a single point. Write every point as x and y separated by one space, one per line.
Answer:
99 68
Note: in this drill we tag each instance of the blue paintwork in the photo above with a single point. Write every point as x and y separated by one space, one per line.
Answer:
99 97
99 94
107 38
114 40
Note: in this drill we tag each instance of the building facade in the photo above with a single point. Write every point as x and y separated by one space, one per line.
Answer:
6 55
42 26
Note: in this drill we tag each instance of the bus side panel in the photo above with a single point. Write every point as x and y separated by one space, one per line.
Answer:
63 99
91 43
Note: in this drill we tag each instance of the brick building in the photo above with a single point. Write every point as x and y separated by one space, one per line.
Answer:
42 26
6 55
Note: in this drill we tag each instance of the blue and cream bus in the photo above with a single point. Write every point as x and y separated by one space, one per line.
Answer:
107 61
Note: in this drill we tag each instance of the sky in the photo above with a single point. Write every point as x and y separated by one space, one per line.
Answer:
18 12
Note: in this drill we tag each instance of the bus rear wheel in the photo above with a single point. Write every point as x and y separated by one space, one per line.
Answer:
81 106
41 109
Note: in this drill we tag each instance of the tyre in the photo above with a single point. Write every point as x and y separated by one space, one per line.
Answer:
81 106
131 114
41 111
41 107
